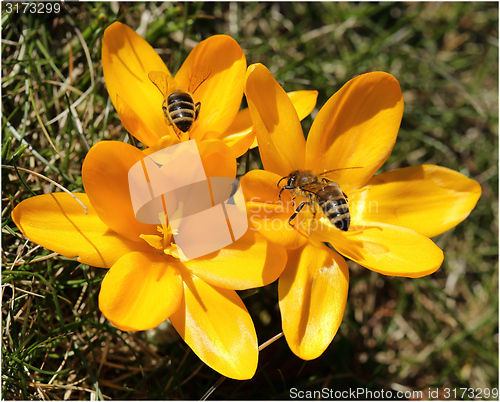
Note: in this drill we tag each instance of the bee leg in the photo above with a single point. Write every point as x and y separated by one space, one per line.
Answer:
345 195
197 110
279 194
177 133
284 188
299 208
313 206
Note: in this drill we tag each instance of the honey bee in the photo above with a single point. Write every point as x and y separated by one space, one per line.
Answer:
178 106
320 191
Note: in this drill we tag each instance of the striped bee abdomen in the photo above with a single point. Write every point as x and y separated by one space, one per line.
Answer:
334 205
181 110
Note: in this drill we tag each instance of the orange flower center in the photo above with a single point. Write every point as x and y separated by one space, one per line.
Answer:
165 241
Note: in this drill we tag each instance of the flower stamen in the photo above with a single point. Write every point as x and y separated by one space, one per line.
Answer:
165 241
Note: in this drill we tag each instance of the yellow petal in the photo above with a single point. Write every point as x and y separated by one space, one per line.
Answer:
239 135
383 248
303 102
134 124
217 158
221 93
428 199
357 127
126 61
275 121
240 143
267 214
249 262
312 299
241 125
58 222
162 143
215 323
105 178
140 291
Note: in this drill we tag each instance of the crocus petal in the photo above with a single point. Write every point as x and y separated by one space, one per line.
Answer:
217 158
215 323
428 199
215 155
249 262
134 124
140 291
357 128
126 61
303 102
58 222
221 60
239 136
312 299
162 143
240 143
105 178
266 212
383 248
276 123
241 125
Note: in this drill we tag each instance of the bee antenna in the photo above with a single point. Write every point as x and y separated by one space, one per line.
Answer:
283 178
344 168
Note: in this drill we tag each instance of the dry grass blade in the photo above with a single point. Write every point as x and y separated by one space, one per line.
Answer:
50 181
221 380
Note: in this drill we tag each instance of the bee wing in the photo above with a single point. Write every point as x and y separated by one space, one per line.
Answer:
197 77
161 80
313 188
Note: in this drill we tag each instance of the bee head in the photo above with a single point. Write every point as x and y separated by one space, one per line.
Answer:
290 179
